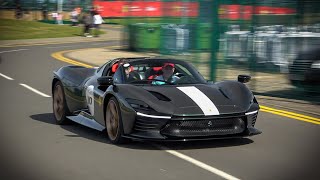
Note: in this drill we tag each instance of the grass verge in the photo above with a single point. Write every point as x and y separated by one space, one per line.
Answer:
19 29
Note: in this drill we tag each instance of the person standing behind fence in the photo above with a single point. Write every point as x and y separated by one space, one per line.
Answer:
97 21
60 18
18 12
74 17
44 12
54 16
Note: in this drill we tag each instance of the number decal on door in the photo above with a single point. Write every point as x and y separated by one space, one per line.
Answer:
90 99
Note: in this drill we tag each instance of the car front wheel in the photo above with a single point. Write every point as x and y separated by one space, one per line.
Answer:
114 122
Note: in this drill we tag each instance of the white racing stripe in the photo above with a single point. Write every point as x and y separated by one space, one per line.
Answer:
198 163
205 104
7 77
34 90
13 50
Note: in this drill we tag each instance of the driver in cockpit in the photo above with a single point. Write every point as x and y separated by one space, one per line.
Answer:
167 76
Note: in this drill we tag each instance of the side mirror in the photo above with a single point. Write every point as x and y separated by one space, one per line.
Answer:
244 78
105 80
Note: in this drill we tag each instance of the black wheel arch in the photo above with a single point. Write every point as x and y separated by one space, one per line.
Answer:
54 81
127 113
105 103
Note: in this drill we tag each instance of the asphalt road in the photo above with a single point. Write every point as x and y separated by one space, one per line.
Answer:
33 147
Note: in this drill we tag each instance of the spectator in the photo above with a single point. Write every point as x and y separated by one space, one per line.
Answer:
18 11
54 16
87 22
44 12
78 9
97 21
60 18
74 17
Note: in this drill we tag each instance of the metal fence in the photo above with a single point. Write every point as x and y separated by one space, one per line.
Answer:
261 38
276 48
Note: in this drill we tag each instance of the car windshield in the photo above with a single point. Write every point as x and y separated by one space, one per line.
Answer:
161 72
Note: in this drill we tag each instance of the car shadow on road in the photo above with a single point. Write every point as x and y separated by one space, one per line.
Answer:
78 130
216 143
75 129
46 118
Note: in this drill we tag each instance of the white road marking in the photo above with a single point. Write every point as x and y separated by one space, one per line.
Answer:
7 77
198 163
13 50
34 90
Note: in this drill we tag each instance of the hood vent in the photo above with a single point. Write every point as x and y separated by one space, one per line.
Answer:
224 94
160 96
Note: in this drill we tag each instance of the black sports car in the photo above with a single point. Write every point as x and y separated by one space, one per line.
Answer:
138 98
305 69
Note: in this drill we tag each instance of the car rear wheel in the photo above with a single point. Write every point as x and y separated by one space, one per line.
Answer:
60 109
114 122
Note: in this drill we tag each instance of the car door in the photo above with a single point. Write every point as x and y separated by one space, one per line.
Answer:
95 94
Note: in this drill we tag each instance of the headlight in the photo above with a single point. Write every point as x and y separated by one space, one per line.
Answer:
316 65
138 105
252 112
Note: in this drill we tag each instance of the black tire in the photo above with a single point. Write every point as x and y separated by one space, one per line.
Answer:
114 126
59 105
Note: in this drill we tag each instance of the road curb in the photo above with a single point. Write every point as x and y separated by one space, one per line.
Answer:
62 56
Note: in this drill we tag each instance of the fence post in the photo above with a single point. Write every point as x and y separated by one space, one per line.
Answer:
214 40
252 56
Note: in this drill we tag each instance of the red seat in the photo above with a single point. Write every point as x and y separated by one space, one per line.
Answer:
115 67
154 72
157 68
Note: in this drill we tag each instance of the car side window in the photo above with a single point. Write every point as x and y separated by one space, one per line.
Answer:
108 71
117 77
100 70
103 70
183 70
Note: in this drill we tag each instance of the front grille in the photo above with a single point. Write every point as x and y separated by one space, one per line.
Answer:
148 124
144 125
300 66
207 127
